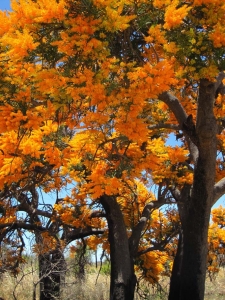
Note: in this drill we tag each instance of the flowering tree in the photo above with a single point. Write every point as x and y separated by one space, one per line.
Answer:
89 93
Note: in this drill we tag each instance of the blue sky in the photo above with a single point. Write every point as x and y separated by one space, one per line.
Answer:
4 4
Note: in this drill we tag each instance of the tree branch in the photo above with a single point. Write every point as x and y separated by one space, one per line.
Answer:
79 233
97 214
22 225
180 114
137 230
164 125
26 208
175 106
159 246
219 80
219 190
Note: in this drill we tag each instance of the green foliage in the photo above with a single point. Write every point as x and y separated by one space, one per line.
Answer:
105 268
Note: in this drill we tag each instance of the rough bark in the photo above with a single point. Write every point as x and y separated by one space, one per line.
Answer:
175 280
195 205
196 211
219 190
52 269
123 279
45 280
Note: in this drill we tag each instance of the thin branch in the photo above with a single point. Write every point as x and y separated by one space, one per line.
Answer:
101 258
159 246
164 125
22 225
97 214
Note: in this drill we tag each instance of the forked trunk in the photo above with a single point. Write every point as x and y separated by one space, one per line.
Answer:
196 206
196 215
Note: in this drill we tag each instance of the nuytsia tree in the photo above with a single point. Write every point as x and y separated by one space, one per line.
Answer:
90 91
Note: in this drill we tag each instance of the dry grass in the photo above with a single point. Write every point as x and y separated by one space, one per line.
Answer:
21 288
215 290
88 289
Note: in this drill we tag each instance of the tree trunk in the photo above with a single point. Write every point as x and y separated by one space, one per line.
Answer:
175 280
195 228
123 279
197 207
45 279
194 260
52 269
